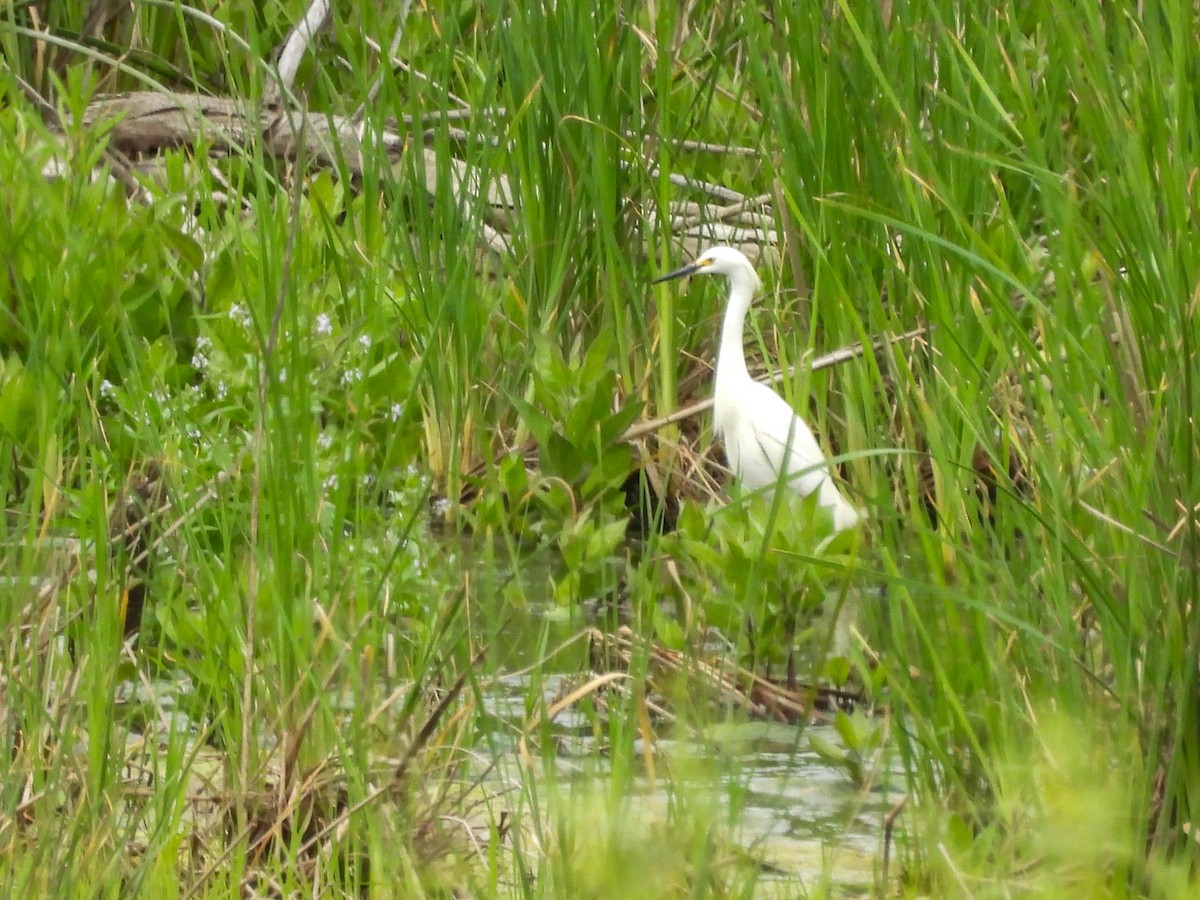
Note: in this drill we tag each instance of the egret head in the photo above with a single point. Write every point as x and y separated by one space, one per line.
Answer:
720 261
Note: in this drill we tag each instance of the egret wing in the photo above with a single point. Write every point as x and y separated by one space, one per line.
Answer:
783 443
786 440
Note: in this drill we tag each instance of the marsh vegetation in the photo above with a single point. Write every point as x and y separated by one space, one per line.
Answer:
364 533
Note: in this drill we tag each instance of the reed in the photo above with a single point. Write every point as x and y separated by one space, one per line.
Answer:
314 366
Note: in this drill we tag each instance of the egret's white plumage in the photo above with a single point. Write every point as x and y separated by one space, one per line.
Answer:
763 436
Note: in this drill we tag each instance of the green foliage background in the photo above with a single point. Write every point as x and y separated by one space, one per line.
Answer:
311 358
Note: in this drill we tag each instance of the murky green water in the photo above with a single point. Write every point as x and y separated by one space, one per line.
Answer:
801 817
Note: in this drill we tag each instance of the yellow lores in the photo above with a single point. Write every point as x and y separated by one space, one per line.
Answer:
765 441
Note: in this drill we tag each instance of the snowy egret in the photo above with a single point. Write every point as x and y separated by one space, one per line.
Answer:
765 441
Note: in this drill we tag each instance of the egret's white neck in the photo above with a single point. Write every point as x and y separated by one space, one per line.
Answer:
731 356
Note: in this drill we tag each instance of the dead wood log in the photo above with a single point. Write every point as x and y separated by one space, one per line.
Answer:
142 123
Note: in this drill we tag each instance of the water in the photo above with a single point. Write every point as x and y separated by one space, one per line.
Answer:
800 816
786 807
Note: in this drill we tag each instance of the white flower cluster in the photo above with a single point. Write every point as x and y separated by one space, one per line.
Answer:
240 315
200 354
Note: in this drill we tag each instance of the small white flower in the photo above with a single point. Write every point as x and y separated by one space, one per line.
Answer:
325 440
199 360
368 480
396 411
324 325
331 483
108 390
283 375
351 376
364 341
441 506
222 390
240 315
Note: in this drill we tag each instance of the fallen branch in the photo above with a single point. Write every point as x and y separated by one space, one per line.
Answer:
297 42
821 362
145 122
722 681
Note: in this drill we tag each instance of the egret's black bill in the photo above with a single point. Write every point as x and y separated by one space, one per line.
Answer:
689 269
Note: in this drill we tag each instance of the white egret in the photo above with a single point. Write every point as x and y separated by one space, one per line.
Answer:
765 441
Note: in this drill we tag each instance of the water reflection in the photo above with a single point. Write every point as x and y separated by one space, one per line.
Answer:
801 817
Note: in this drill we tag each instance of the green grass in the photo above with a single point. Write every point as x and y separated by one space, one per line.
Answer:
321 367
